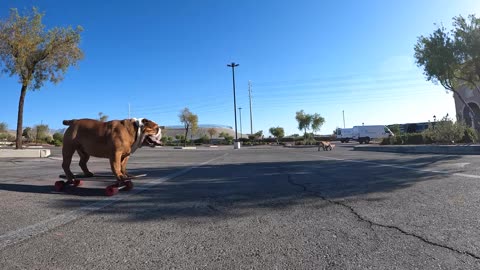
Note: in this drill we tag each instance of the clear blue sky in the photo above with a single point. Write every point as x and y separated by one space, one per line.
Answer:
320 56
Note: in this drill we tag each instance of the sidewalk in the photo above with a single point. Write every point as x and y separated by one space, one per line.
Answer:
473 149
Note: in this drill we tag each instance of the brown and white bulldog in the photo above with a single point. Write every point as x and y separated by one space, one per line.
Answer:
326 146
114 140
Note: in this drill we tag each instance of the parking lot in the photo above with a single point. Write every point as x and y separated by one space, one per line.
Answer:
266 207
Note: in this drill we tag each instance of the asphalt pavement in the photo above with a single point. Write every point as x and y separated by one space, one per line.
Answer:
264 207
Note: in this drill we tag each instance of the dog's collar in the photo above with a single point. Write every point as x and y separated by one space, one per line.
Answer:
138 136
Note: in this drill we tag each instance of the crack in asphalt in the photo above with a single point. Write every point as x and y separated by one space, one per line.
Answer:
372 223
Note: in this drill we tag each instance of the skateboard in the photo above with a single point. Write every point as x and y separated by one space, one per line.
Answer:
109 190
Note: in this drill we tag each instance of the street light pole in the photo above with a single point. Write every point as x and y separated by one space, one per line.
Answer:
240 113
233 65
250 98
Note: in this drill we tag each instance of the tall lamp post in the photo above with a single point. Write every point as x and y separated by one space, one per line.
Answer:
233 65
240 114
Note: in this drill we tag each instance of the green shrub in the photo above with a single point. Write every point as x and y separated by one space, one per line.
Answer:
202 140
414 138
243 140
57 142
57 136
387 141
446 131
398 140
405 138
395 129
470 135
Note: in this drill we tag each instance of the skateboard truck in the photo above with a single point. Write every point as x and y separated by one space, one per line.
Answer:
113 189
61 185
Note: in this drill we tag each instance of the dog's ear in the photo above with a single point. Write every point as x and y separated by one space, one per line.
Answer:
144 121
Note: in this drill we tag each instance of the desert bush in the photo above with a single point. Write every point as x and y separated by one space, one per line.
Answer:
470 136
446 131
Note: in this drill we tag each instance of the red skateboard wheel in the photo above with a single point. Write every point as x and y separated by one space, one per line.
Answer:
111 190
77 183
128 185
59 185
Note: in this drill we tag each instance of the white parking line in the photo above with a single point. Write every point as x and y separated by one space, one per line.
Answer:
17 236
396 166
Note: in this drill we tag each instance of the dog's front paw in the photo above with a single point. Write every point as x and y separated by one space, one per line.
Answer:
122 177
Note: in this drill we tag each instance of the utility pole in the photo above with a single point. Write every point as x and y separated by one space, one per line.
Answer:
128 110
250 98
240 113
233 65
343 111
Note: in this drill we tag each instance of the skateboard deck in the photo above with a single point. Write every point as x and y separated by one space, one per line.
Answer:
109 191
82 176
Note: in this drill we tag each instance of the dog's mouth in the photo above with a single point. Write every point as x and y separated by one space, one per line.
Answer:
152 141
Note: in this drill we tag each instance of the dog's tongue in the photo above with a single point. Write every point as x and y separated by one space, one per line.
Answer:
155 139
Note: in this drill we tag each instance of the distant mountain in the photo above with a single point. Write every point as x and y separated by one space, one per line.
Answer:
62 130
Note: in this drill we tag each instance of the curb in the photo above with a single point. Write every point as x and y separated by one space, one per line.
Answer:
25 153
300 146
185 147
423 149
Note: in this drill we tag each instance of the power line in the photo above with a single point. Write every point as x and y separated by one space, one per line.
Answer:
301 101
366 88
326 82
281 104
343 77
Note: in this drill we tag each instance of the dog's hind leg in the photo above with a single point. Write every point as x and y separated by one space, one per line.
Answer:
84 157
321 146
67 154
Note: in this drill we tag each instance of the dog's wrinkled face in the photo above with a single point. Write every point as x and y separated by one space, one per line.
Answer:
152 133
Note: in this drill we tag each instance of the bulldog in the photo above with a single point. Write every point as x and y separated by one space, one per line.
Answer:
115 140
326 146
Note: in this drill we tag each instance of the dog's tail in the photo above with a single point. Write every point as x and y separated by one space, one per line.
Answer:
68 122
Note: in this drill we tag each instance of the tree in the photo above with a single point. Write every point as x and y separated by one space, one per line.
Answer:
395 129
256 136
28 133
277 132
317 122
57 138
466 35
41 132
452 58
228 138
309 121
304 120
102 117
3 127
190 121
35 55
212 132
4 131
179 137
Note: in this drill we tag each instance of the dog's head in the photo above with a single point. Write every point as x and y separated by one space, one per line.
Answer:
152 133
